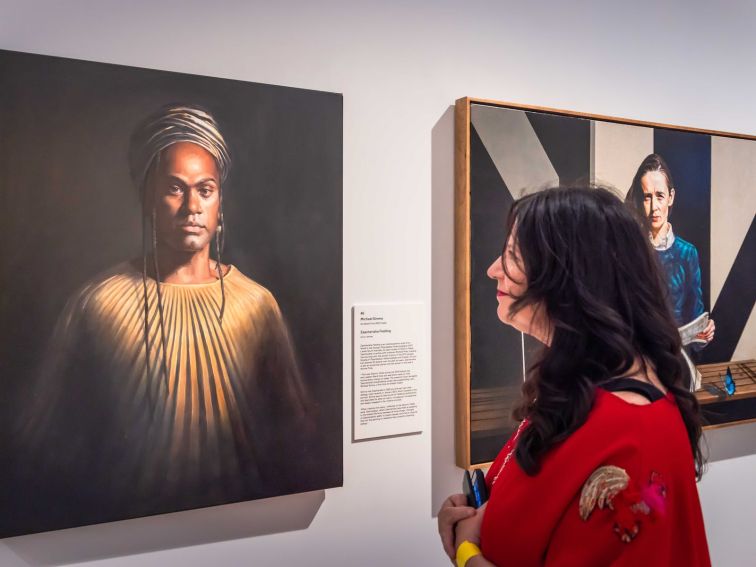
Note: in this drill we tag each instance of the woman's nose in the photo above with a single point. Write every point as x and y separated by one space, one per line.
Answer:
495 270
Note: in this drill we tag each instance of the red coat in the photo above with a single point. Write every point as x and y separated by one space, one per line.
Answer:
535 521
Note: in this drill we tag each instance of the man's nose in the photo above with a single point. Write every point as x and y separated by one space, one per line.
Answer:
193 204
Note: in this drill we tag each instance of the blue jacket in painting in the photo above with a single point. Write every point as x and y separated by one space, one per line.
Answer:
679 260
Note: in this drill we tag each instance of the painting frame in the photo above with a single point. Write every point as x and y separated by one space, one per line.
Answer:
131 390
467 418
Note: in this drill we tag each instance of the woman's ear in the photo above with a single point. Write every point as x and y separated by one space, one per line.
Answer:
671 196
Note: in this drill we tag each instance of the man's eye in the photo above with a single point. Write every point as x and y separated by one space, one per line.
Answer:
175 190
205 191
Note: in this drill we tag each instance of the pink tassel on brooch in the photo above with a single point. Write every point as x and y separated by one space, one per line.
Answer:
653 496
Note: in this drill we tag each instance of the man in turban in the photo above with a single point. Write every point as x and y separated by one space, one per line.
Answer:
171 381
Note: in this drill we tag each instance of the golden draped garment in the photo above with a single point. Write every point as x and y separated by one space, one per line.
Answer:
211 426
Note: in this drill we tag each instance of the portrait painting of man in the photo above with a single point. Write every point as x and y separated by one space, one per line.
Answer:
182 363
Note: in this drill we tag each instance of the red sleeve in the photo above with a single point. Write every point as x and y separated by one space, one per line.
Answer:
585 543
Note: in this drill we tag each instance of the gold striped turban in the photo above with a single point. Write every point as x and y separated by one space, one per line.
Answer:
170 125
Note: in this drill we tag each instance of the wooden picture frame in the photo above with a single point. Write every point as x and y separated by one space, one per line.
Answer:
480 410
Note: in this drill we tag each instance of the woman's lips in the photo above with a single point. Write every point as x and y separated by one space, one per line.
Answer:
500 293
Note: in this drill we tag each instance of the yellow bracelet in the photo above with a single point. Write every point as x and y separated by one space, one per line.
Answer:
466 551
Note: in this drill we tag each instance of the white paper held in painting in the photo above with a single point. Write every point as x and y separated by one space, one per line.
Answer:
388 390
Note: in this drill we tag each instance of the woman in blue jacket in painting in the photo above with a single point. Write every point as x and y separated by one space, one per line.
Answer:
652 195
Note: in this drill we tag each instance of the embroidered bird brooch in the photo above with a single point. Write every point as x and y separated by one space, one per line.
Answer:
610 487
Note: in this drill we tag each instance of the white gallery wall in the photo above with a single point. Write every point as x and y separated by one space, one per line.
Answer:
400 66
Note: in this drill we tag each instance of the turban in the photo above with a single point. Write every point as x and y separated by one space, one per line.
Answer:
171 125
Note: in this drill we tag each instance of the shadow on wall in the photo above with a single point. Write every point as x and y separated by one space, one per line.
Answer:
167 531
446 476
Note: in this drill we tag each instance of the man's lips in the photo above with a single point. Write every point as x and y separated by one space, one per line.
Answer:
192 228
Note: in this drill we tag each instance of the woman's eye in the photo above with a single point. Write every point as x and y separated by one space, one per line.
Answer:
205 191
175 190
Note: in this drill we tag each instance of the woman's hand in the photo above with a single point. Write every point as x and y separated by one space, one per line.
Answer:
469 528
708 333
453 510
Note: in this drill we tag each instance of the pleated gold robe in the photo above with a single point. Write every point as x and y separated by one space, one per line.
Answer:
142 413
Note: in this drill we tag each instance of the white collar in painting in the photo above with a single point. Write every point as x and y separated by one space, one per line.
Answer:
664 241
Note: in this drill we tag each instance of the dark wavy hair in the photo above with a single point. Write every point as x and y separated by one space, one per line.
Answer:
582 251
635 196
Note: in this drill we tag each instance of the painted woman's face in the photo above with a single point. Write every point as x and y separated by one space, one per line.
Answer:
510 284
657 199
187 197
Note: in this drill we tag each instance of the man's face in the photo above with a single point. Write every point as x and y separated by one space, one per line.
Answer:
187 197
657 199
